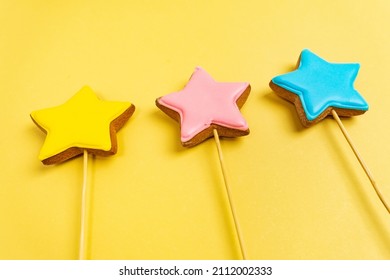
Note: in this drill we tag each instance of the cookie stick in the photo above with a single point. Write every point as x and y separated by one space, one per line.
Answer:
84 223
361 161
319 88
82 125
205 109
228 193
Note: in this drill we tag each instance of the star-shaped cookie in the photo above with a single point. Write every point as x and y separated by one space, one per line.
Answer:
83 122
317 86
204 105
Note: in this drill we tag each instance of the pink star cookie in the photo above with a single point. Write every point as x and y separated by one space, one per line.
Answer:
204 105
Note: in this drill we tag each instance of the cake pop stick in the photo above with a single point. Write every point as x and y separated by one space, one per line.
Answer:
229 196
361 161
205 109
83 226
319 88
82 125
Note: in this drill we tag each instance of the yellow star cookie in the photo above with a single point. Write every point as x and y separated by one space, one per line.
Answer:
83 122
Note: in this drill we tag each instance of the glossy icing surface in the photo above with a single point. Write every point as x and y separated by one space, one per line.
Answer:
83 121
203 102
321 84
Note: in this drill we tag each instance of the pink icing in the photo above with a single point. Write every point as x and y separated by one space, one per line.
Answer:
203 102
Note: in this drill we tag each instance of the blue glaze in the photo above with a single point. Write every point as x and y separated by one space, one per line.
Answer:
321 84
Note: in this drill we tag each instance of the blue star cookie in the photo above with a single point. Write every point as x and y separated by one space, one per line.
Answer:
317 86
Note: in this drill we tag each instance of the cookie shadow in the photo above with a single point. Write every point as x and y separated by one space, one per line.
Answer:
170 128
270 97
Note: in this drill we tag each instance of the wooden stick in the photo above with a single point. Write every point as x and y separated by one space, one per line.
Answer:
236 225
82 248
360 159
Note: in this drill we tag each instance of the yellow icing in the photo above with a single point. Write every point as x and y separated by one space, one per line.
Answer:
83 121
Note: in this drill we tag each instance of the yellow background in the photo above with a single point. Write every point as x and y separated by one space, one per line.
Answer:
299 193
